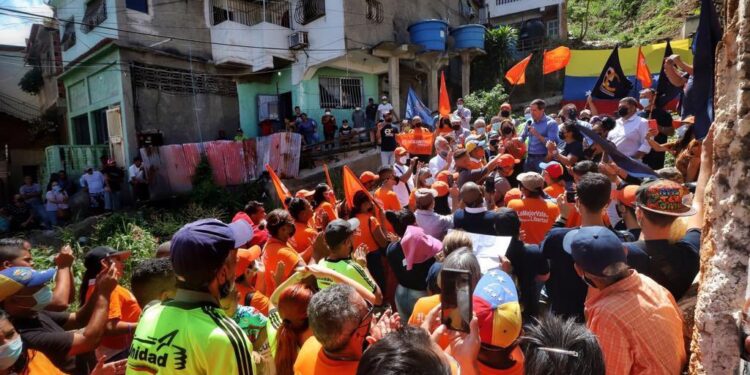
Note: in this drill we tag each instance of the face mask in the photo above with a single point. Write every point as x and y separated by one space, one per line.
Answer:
43 297
403 159
506 130
443 154
56 188
480 130
505 113
10 352
623 111
328 113
460 107
644 102
357 108
588 281
527 116
429 181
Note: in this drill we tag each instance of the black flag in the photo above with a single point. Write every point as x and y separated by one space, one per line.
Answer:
665 90
612 83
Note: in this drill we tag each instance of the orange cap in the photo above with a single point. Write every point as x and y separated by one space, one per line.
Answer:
441 188
443 176
304 193
626 195
512 194
507 160
244 258
400 151
367 177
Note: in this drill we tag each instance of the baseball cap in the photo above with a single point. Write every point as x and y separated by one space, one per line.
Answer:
93 258
441 188
444 176
512 194
201 247
473 145
531 180
553 168
304 193
13 279
367 177
594 248
400 151
665 197
244 258
418 246
383 97
507 160
626 195
339 230
496 306
502 185
425 196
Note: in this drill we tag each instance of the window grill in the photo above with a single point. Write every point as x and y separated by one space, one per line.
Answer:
250 12
374 11
69 35
96 13
340 92
307 11
553 29
180 82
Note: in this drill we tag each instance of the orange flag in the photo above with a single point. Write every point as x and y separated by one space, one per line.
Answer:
352 185
555 59
328 177
641 70
281 190
517 74
417 142
444 103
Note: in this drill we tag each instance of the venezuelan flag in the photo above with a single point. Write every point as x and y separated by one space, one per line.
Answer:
586 65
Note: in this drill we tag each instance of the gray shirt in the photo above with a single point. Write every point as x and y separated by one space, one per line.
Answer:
434 224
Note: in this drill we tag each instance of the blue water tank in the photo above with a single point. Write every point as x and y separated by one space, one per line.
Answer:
468 36
430 34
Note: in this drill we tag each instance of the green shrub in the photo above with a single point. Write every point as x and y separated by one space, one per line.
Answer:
486 101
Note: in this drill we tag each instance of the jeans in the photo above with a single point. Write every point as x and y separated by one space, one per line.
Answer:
386 158
532 163
111 200
50 219
375 266
405 300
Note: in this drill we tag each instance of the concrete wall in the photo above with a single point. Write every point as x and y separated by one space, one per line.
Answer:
75 9
12 69
518 6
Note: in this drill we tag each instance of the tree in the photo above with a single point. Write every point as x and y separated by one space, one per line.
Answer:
32 81
487 102
488 70
724 251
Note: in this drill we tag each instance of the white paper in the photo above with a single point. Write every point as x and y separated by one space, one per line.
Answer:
489 249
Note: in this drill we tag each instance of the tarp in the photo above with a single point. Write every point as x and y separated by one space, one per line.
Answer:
585 66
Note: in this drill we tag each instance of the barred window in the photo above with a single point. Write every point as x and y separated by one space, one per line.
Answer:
553 29
180 81
340 92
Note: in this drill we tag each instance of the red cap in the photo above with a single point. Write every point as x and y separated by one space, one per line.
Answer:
553 169
367 177
304 193
443 176
400 151
626 195
244 258
441 188
507 160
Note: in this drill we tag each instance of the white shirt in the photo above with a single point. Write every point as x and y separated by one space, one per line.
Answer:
466 120
402 189
437 164
137 173
629 136
55 200
435 225
383 109
94 182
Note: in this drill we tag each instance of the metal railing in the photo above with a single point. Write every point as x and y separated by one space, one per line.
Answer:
307 11
251 12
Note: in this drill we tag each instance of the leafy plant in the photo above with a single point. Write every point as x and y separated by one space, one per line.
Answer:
500 45
486 101
32 81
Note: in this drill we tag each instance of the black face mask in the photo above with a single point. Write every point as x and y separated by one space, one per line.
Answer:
506 130
505 113
456 127
561 134
494 143
623 111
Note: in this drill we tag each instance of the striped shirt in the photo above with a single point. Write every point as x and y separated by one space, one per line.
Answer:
639 327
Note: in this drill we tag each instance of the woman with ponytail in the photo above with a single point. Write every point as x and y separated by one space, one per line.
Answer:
294 329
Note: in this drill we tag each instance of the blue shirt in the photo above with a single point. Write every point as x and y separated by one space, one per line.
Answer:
547 128
307 128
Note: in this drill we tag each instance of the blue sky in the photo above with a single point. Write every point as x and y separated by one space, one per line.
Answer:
14 30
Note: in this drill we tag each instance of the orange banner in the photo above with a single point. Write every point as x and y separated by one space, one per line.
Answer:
555 59
517 74
417 142
281 190
352 185
641 70
444 103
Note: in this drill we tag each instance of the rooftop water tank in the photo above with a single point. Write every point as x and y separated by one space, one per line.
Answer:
468 36
430 34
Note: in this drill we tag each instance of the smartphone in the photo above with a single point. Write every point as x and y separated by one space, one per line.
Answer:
455 299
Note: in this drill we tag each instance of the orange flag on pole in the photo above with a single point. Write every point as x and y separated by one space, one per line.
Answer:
444 103
352 185
555 59
641 70
328 177
517 74
281 190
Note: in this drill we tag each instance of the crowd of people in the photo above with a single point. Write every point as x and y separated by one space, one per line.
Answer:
595 278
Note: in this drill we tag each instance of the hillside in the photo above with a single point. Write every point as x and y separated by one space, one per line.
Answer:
628 22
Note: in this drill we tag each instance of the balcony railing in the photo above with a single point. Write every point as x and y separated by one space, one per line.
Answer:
307 11
250 12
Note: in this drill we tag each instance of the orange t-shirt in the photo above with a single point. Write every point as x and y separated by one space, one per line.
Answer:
555 190
389 199
311 360
517 369
367 225
259 301
422 307
537 216
39 364
276 252
122 306
329 210
303 238
574 219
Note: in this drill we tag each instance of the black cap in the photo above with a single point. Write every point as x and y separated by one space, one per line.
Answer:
92 259
339 230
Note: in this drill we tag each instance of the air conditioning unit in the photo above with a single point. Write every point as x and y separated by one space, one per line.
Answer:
298 40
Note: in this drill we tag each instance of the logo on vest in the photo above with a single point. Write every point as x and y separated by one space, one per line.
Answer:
156 351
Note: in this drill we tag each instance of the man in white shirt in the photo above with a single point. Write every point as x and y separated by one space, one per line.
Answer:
463 113
629 134
432 223
443 159
93 182
138 179
403 169
384 108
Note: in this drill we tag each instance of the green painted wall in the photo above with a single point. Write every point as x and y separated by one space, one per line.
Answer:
306 95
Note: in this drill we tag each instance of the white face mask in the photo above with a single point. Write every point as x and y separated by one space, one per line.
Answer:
429 181
644 102
403 159
357 108
10 352
460 106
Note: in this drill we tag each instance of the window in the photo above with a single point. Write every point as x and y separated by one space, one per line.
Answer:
553 29
96 13
69 35
180 82
81 134
338 92
307 11
139 5
101 133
